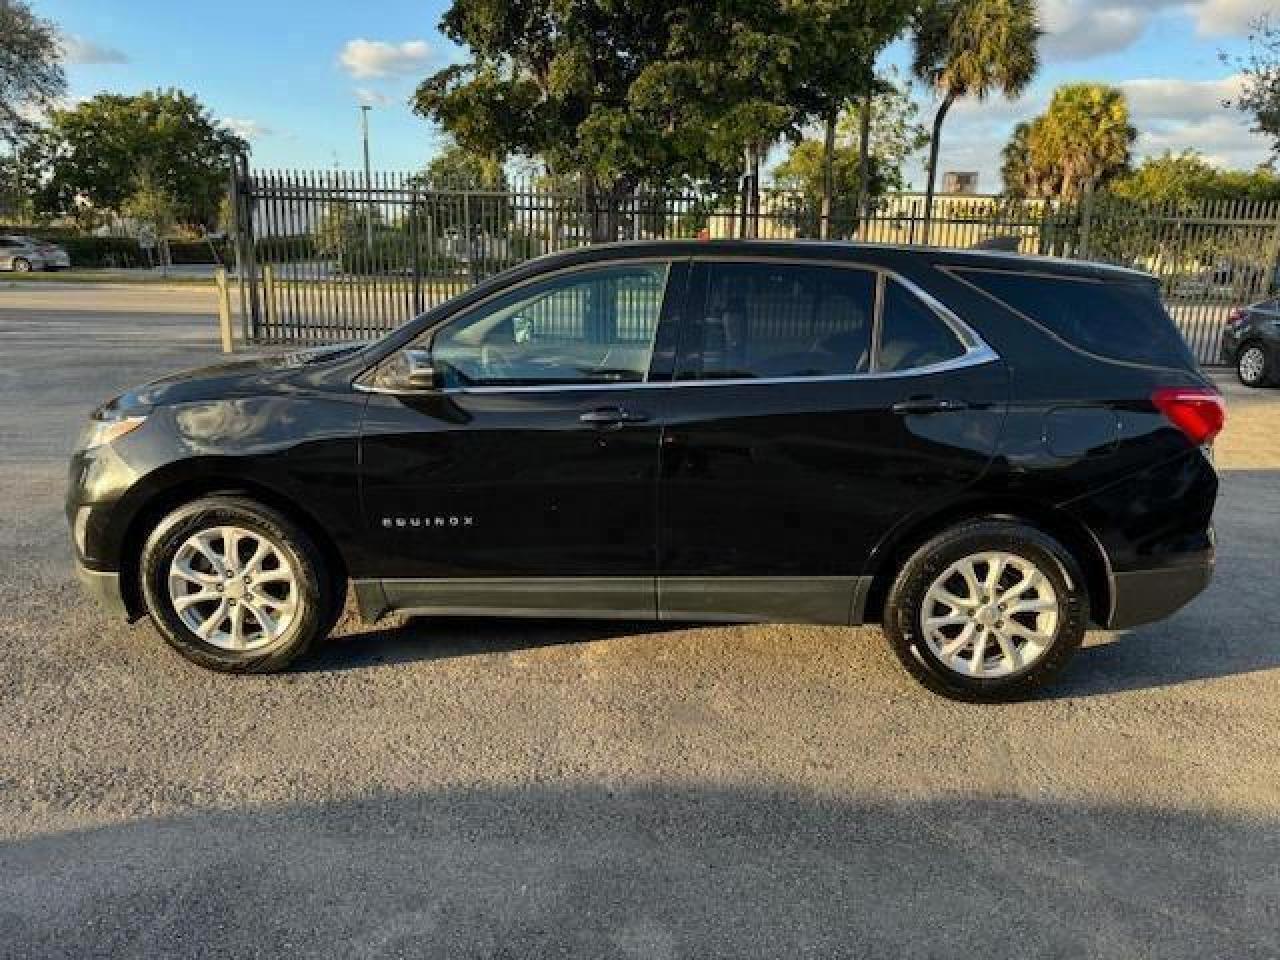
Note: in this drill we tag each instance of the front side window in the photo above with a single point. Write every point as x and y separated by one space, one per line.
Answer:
766 320
591 326
911 334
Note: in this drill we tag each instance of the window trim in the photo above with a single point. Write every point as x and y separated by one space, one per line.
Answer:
977 350
428 336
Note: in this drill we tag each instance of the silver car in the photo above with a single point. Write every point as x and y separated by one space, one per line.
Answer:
23 254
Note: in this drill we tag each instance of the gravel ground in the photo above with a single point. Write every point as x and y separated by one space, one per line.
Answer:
513 789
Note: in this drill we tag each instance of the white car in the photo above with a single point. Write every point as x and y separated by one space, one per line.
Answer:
23 254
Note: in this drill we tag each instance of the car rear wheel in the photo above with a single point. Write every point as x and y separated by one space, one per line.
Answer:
236 586
21 265
987 611
1253 366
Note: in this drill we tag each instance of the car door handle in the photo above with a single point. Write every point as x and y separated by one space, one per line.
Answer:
917 405
606 417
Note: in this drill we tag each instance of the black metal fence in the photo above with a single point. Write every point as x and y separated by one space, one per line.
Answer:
325 256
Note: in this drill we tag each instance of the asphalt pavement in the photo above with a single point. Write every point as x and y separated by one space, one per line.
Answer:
463 788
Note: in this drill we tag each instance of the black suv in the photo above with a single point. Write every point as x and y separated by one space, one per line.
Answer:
985 452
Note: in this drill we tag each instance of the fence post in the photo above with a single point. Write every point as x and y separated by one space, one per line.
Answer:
1086 221
224 310
268 296
416 241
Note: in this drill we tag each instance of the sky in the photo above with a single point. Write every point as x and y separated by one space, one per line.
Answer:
291 76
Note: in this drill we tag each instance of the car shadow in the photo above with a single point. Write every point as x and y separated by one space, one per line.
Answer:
441 638
655 870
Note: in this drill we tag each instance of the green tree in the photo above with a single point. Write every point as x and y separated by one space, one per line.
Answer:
1187 180
971 48
95 150
893 136
1172 178
1260 97
1084 136
1023 166
31 76
648 93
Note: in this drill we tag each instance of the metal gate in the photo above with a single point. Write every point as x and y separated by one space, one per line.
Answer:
326 256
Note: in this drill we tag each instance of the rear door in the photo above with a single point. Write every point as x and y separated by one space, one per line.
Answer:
814 406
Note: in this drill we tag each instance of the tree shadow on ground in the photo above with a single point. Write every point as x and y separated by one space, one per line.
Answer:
674 871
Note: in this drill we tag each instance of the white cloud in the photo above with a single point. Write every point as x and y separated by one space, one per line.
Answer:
246 129
374 98
377 58
1080 29
1216 17
1170 113
80 50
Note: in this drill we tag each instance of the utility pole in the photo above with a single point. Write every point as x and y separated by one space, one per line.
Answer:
368 177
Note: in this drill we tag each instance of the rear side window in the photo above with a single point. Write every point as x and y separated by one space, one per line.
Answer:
912 335
763 320
1122 320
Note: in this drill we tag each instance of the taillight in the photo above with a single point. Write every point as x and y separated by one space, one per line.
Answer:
1198 412
1234 316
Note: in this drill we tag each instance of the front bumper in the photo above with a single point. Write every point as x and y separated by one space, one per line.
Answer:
1143 596
104 587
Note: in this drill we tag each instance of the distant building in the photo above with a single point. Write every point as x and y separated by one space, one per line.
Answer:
960 182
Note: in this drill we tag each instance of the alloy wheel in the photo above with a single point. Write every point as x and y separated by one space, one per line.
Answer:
1253 363
990 614
233 588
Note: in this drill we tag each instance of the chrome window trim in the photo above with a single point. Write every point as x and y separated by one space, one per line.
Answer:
977 351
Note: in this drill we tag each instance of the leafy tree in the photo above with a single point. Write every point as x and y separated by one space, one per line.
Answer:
453 171
31 74
1079 143
1187 180
1084 136
95 151
151 204
971 48
893 135
1261 68
648 93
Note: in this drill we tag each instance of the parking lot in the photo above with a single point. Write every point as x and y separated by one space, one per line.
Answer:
512 788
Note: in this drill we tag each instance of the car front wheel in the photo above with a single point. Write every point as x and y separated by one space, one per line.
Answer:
987 611
236 586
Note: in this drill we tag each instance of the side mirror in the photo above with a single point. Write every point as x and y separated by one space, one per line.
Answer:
408 371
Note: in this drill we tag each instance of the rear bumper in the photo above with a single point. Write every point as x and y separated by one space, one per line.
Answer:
104 587
1143 596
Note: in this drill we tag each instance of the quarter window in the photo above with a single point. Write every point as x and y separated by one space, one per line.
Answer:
764 320
912 334
592 326
1123 320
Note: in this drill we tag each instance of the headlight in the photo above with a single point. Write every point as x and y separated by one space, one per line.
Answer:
106 431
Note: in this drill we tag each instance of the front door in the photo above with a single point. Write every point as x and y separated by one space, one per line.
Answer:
814 406
528 483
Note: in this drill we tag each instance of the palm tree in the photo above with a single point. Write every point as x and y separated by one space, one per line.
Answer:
968 48
1086 135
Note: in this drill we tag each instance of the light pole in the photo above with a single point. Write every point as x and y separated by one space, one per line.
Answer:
368 177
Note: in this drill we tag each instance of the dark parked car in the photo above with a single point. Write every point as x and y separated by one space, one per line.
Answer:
984 452
1251 343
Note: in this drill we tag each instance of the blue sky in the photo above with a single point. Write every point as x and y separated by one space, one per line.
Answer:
292 81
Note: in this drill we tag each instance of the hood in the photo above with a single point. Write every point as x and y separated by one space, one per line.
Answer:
239 378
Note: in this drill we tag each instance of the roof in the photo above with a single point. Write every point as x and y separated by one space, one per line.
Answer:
882 254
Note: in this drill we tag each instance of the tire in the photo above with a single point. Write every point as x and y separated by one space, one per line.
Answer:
997 676
21 265
290 588
1254 366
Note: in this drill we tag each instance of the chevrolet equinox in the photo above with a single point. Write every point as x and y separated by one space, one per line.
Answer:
984 452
